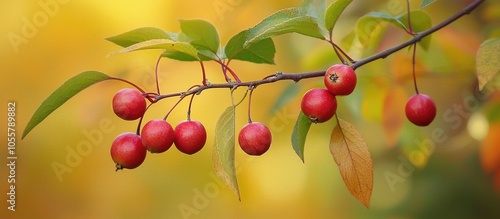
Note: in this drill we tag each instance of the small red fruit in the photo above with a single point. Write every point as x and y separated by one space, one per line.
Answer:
420 109
340 79
127 151
129 104
190 136
319 105
255 138
157 135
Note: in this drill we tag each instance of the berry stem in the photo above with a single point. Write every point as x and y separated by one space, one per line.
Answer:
413 66
175 105
138 130
189 107
156 75
137 87
251 88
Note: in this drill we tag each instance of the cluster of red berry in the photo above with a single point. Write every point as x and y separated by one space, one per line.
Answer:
320 104
129 149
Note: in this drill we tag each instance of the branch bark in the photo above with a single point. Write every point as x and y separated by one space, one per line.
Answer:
300 76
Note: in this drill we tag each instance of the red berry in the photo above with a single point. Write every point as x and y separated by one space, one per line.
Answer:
157 135
340 79
129 104
190 136
127 151
319 105
255 138
420 109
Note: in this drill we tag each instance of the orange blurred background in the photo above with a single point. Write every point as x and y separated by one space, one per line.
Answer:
416 175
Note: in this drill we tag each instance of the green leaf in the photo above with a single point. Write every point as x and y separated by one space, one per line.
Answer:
315 9
420 21
333 13
168 45
139 35
426 3
223 155
299 134
62 94
366 26
201 34
290 20
259 52
488 61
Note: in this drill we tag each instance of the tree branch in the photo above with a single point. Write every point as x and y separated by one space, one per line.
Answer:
299 76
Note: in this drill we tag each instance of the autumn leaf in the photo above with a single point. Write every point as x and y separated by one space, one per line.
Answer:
353 159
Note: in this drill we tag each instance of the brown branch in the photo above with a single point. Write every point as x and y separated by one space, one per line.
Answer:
299 76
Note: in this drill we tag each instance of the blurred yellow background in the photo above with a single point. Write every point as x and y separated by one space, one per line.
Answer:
64 38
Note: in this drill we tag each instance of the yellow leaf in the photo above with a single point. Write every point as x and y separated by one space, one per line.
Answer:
353 159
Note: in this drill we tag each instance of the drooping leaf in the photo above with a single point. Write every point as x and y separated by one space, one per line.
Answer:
223 154
259 52
62 94
426 3
333 13
488 61
394 117
366 25
290 20
168 45
139 35
420 21
353 159
201 34
299 134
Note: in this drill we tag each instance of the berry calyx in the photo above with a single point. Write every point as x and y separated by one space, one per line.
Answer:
129 104
255 138
319 105
420 109
340 79
190 136
127 151
157 136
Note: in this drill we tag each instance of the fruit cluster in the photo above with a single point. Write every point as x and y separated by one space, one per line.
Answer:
129 149
320 104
